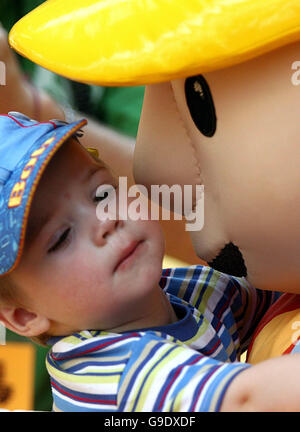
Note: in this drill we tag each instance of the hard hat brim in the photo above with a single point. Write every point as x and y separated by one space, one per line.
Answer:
136 42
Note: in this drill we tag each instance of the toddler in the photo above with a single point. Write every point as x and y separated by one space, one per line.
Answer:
124 335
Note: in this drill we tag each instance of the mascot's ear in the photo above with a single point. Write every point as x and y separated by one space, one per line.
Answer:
201 105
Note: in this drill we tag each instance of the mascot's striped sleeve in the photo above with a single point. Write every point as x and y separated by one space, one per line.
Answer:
185 366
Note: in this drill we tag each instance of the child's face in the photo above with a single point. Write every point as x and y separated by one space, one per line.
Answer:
69 270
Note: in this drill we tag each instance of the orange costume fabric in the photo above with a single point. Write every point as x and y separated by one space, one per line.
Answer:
279 331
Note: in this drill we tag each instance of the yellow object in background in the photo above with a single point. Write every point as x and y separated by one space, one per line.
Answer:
171 262
134 42
16 376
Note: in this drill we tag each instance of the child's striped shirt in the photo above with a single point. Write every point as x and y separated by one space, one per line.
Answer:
185 366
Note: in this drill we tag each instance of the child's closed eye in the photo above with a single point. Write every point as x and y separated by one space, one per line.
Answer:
105 192
103 196
62 240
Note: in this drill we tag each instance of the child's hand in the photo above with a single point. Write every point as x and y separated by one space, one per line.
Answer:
18 94
273 385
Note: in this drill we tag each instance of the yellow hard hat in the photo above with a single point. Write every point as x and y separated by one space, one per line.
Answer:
134 42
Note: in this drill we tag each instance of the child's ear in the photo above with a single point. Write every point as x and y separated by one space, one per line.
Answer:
24 322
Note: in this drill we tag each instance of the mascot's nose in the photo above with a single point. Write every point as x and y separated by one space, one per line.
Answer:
230 261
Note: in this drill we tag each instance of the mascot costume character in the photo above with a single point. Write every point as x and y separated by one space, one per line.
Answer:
221 109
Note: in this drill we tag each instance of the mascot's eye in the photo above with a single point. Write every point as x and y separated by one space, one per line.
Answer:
201 105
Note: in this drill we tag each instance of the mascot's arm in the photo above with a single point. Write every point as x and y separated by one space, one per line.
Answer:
18 94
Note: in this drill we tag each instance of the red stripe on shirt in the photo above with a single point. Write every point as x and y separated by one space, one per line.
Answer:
80 398
174 378
94 348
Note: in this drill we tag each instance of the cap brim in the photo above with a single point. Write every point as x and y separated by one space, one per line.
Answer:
136 42
18 214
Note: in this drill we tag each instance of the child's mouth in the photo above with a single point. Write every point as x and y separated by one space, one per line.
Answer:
128 255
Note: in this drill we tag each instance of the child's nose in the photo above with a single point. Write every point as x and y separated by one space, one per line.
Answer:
103 229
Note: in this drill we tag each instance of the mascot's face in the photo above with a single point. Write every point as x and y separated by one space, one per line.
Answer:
237 132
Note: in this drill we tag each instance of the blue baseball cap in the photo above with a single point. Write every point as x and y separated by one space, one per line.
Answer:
26 147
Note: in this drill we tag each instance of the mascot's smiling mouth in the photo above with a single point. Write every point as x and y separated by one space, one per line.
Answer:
230 261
